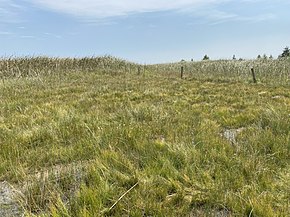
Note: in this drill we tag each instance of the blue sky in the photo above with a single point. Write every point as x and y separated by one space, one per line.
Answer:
149 31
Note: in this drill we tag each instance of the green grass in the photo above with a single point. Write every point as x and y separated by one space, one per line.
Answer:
74 143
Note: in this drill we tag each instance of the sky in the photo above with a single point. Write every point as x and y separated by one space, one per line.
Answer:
148 31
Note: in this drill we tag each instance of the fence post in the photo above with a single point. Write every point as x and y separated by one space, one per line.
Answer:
181 72
253 74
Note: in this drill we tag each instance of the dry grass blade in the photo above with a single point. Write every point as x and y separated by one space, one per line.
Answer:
120 198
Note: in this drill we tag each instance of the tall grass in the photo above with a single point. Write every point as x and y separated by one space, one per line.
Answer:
12 67
267 71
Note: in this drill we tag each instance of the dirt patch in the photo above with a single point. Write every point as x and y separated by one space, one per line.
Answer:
231 135
199 212
9 206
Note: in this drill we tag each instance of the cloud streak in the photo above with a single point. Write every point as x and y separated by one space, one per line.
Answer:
9 11
110 8
5 33
95 10
215 17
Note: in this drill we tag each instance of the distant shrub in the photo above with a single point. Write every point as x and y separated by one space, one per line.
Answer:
206 57
286 53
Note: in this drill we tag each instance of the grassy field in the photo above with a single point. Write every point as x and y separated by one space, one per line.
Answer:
120 139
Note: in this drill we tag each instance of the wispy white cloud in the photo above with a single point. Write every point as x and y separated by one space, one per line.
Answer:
92 11
110 8
95 10
5 33
27 36
259 18
9 11
52 35
214 14
215 17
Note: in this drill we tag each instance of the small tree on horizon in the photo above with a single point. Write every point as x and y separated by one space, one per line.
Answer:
286 53
265 57
206 57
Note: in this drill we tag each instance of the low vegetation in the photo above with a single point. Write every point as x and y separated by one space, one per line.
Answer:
112 138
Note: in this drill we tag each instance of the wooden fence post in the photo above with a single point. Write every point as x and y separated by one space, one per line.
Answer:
253 74
181 72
